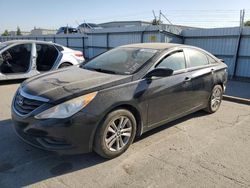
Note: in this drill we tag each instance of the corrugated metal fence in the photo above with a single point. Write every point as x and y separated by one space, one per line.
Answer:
99 41
225 43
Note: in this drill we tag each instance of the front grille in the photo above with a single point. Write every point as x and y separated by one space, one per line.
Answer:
24 105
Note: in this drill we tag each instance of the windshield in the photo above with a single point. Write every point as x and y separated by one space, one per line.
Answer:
121 60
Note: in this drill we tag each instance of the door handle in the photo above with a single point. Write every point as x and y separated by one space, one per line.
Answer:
187 79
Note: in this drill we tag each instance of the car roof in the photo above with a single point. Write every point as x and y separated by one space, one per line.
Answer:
159 46
165 46
29 41
156 46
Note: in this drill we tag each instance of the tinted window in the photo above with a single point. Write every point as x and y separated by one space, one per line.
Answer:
59 48
121 60
196 58
175 61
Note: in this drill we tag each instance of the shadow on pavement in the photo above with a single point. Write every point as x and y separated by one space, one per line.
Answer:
9 82
23 165
170 124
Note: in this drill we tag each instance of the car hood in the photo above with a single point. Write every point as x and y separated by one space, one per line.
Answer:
71 82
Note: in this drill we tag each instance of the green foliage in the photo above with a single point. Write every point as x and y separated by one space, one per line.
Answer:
247 23
5 33
156 22
18 32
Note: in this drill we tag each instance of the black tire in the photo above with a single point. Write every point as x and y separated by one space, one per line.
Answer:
63 65
214 99
103 134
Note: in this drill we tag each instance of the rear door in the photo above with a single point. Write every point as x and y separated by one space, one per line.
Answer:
169 97
201 74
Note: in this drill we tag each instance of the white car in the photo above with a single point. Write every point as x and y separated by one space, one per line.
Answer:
26 58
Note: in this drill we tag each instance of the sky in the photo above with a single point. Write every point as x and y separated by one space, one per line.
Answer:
52 14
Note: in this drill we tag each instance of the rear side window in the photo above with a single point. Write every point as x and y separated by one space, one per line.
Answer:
59 48
211 60
174 61
196 58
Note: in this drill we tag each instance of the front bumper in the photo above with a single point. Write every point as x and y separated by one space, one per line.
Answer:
65 136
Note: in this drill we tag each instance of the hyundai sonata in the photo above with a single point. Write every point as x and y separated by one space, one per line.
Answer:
102 105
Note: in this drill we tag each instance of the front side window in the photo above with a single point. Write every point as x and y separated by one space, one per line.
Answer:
175 61
121 60
196 58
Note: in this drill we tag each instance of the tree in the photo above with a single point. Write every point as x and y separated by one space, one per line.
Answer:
18 32
247 23
5 33
156 22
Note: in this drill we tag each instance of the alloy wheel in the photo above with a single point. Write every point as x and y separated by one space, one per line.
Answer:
118 133
216 99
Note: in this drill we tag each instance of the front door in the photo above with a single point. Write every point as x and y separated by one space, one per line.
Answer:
17 61
169 97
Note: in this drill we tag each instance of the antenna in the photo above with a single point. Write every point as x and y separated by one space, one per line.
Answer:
174 27
154 14
78 26
166 18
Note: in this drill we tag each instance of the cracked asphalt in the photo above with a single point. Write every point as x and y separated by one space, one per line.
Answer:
199 150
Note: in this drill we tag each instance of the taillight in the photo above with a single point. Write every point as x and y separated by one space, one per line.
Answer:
78 54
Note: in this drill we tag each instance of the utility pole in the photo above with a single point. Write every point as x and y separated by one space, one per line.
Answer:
160 16
242 17
236 55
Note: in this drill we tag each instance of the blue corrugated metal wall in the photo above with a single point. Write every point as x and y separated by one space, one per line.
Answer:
99 41
222 42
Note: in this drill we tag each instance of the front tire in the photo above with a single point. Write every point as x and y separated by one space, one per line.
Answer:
215 99
115 134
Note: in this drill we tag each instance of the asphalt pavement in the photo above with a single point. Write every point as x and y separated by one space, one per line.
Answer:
199 150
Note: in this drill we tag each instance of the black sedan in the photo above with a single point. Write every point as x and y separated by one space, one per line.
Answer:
116 96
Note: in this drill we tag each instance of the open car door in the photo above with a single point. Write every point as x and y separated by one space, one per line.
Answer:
47 56
16 62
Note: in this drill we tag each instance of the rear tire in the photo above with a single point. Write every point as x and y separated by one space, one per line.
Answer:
63 65
115 134
215 99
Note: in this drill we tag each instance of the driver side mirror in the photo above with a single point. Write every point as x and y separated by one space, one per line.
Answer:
159 72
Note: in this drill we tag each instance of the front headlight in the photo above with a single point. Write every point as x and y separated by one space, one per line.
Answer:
67 108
